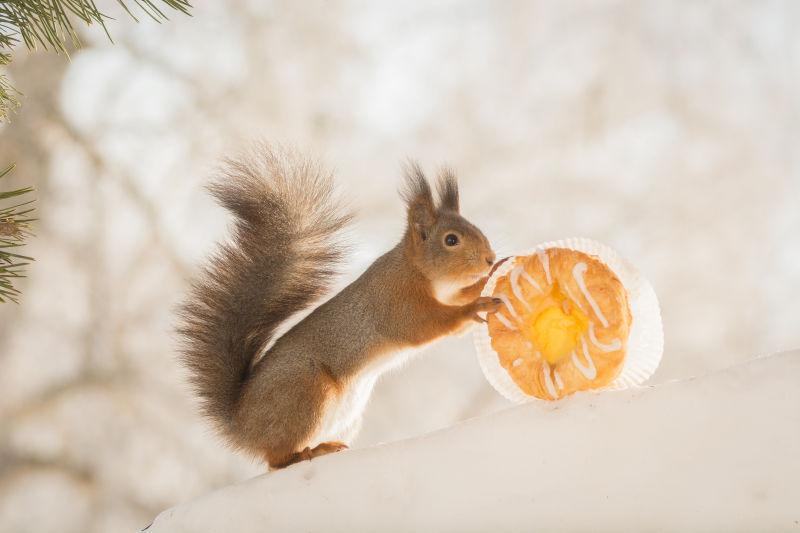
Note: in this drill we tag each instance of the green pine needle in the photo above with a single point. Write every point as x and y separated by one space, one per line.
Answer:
14 228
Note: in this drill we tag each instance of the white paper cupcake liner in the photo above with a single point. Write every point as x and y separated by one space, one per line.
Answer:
645 342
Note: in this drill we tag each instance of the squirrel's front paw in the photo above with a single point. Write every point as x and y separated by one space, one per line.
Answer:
484 304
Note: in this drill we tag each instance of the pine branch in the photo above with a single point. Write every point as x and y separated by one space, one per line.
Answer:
14 227
46 24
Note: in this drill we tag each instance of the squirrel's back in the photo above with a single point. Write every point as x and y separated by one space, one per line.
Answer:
281 257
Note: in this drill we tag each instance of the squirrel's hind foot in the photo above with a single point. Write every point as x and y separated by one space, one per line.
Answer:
328 447
307 454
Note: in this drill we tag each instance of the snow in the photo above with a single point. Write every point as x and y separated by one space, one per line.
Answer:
719 452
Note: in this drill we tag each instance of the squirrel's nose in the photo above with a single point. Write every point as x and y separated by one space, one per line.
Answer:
490 258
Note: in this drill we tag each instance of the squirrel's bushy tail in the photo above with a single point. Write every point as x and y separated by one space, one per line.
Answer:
282 256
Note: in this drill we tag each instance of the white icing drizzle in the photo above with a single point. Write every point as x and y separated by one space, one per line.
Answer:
558 380
548 381
517 361
577 273
516 289
572 297
503 320
532 281
545 259
507 303
589 372
615 345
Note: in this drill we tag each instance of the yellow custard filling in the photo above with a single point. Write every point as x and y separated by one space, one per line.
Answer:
555 326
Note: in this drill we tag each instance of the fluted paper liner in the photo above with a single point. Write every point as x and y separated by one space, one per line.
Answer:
645 341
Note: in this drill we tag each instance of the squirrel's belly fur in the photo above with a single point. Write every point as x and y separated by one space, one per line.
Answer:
342 418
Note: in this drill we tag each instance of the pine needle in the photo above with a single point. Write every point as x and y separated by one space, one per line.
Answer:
14 228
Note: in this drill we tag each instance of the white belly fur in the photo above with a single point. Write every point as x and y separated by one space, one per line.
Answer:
342 417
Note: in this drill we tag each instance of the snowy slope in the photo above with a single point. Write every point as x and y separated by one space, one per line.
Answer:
719 452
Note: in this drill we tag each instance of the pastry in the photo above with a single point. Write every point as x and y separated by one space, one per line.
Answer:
564 323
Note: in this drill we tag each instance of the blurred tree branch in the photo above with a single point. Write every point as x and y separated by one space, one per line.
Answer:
45 24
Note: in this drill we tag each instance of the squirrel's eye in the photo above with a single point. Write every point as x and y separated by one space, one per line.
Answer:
450 239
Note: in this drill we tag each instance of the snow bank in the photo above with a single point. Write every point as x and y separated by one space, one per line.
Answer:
720 452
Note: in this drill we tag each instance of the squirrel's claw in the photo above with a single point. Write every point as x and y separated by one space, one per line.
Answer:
484 304
497 265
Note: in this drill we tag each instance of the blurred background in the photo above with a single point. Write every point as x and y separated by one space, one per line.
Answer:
668 130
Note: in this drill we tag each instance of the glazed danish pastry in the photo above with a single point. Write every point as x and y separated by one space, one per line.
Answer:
564 325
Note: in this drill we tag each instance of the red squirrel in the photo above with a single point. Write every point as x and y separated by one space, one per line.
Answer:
304 396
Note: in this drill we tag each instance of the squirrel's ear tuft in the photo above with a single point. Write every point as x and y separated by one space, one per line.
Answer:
419 200
448 190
